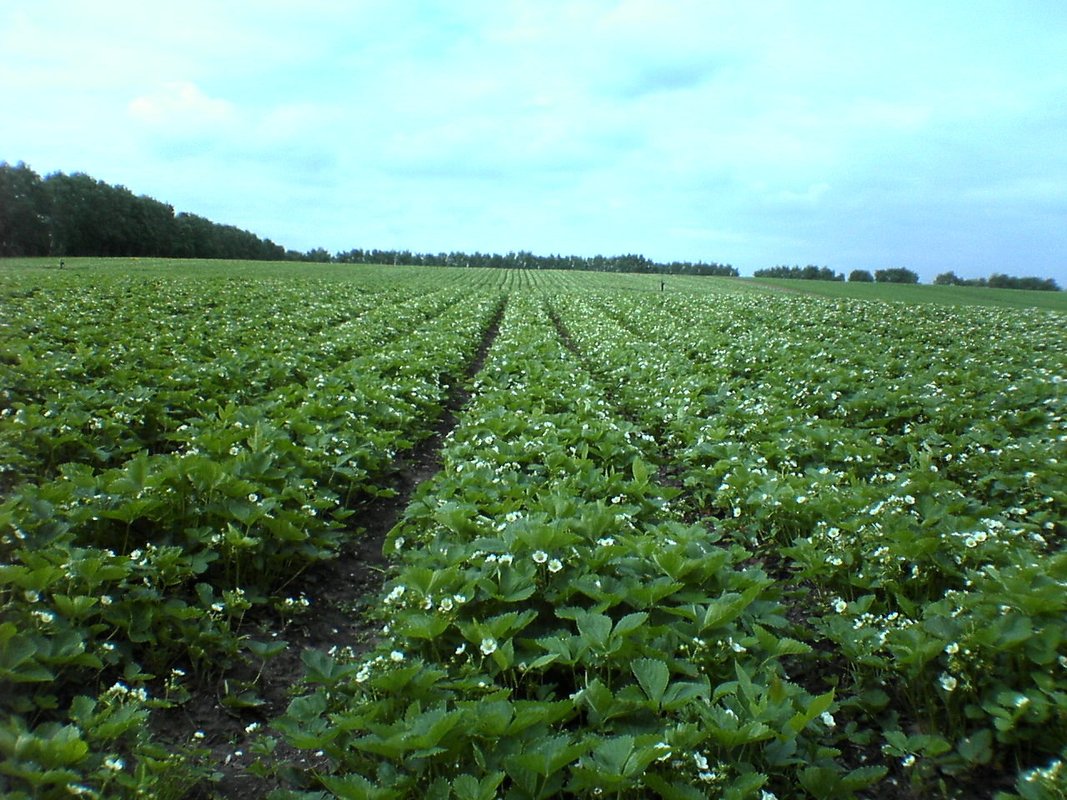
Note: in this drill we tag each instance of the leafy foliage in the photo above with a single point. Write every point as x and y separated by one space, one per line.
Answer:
683 544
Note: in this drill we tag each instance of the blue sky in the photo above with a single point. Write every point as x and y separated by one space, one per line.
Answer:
847 134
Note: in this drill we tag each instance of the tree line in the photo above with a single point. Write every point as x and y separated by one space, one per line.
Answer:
76 215
814 273
526 260
998 281
903 275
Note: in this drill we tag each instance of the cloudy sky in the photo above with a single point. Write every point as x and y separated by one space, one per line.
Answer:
930 135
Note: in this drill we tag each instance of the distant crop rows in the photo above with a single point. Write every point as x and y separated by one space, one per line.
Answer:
682 544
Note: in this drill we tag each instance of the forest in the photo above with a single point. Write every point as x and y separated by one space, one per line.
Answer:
77 215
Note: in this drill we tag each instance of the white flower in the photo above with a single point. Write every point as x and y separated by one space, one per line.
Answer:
952 648
555 565
948 682
446 604
252 727
840 606
540 557
253 498
701 761
908 761
828 719
396 656
488 646
114 764
606 541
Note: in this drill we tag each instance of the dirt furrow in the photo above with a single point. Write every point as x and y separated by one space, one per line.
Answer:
338 594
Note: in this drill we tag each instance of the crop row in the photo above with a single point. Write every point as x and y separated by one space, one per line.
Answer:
554 627
905 472
154 503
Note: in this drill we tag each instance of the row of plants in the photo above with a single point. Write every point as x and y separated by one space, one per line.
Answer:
555 628
128 581
97 376
905 470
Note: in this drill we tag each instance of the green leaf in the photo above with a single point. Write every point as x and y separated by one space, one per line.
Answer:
612 753
640 472
863 777
629 623
266 650
356 787
814 709
977 749
595 629
727 608
653 676
468 787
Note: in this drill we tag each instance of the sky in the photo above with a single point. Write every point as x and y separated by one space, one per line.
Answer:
853 135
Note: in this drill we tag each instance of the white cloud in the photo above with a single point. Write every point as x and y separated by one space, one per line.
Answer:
182 106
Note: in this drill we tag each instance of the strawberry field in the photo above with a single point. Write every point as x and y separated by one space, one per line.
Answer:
697 541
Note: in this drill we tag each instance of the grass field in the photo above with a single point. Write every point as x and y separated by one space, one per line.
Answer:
921 293
310 531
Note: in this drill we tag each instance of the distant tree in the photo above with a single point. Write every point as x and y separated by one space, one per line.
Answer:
24 211
319 255
860 276
808 273
999 281
896 275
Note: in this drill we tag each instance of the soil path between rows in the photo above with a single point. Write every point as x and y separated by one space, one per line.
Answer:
340 594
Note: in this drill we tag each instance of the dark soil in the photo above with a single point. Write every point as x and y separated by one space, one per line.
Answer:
342 593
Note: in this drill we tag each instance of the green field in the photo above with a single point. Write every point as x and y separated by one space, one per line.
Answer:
921 293
309 531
